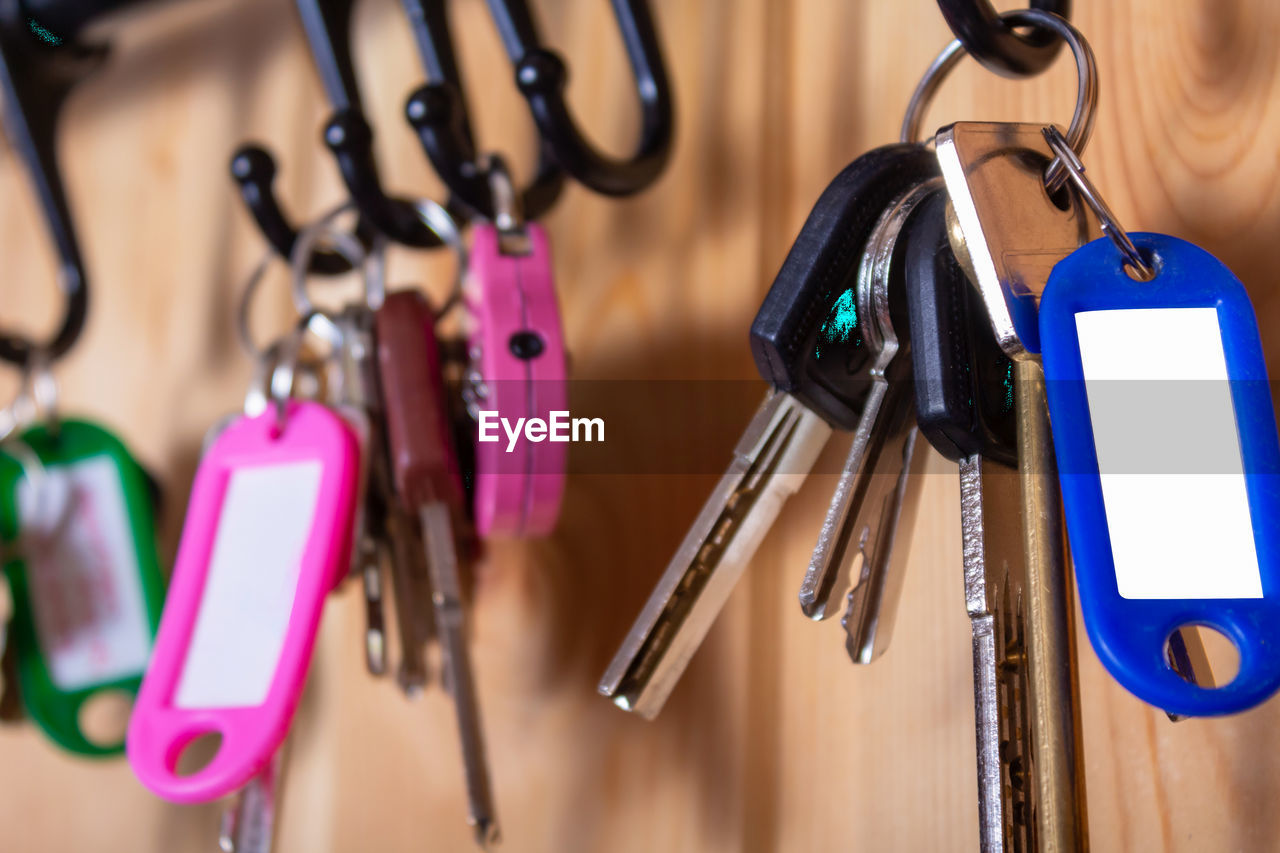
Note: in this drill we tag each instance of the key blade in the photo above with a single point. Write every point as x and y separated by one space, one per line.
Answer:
994 581
442 562
873 602
406 566
770 462
1053 693
249 824
375 633
827 579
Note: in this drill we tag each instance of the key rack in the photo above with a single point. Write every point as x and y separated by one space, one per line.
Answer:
437 111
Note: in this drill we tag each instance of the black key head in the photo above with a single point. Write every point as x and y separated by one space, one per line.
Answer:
963 380
807 336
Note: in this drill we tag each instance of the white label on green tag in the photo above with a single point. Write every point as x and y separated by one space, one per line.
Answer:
82 568
263 529
1164 425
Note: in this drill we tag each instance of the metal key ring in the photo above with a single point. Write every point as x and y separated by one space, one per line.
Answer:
1086 110
326 331
435 217
372 262
35 472
36 400
507 216
284 373
323 326
1142 270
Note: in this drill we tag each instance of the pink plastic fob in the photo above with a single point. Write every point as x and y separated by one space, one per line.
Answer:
267 532
517 347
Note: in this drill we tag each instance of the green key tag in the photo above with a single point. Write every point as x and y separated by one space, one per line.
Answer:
80 550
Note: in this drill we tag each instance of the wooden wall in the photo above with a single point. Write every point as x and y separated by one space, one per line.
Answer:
773 741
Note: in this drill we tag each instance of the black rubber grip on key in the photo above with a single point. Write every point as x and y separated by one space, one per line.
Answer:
813 290
963 381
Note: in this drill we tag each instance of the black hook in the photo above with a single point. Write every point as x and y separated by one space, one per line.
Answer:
37 72
999 47
327 24
541 76
254 170
348 135
438 112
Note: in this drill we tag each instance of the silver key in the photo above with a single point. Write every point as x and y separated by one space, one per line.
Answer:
442 562
249 824
770 462
995 597
1008 236
383 536
877 491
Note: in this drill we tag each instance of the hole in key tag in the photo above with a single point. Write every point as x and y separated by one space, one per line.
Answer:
267 533
1170 465
518 372
84 576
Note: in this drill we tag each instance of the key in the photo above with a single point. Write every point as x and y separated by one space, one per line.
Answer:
964 402
1163 423
807 342
770 462
429 490
249 824
385 533
995 598
369 559
876 492
354 387
1009 233
84 576
412 593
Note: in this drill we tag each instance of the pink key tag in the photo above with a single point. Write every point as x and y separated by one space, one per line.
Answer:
267 533
517 348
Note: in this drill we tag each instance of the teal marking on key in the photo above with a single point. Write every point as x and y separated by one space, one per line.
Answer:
42 33
1007 383
841 323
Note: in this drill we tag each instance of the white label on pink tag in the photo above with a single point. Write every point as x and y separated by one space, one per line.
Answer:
1169 458
90 615
248 594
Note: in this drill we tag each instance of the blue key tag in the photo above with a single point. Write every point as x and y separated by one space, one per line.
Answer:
1169 463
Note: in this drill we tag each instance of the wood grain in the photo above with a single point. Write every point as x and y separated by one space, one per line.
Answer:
772 741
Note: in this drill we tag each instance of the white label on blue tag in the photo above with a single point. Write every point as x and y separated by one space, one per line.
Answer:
82 564
1164 426
263 529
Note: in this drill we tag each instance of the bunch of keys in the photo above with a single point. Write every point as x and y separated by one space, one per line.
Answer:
389 370
80 557
371 476
871 327
911 306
